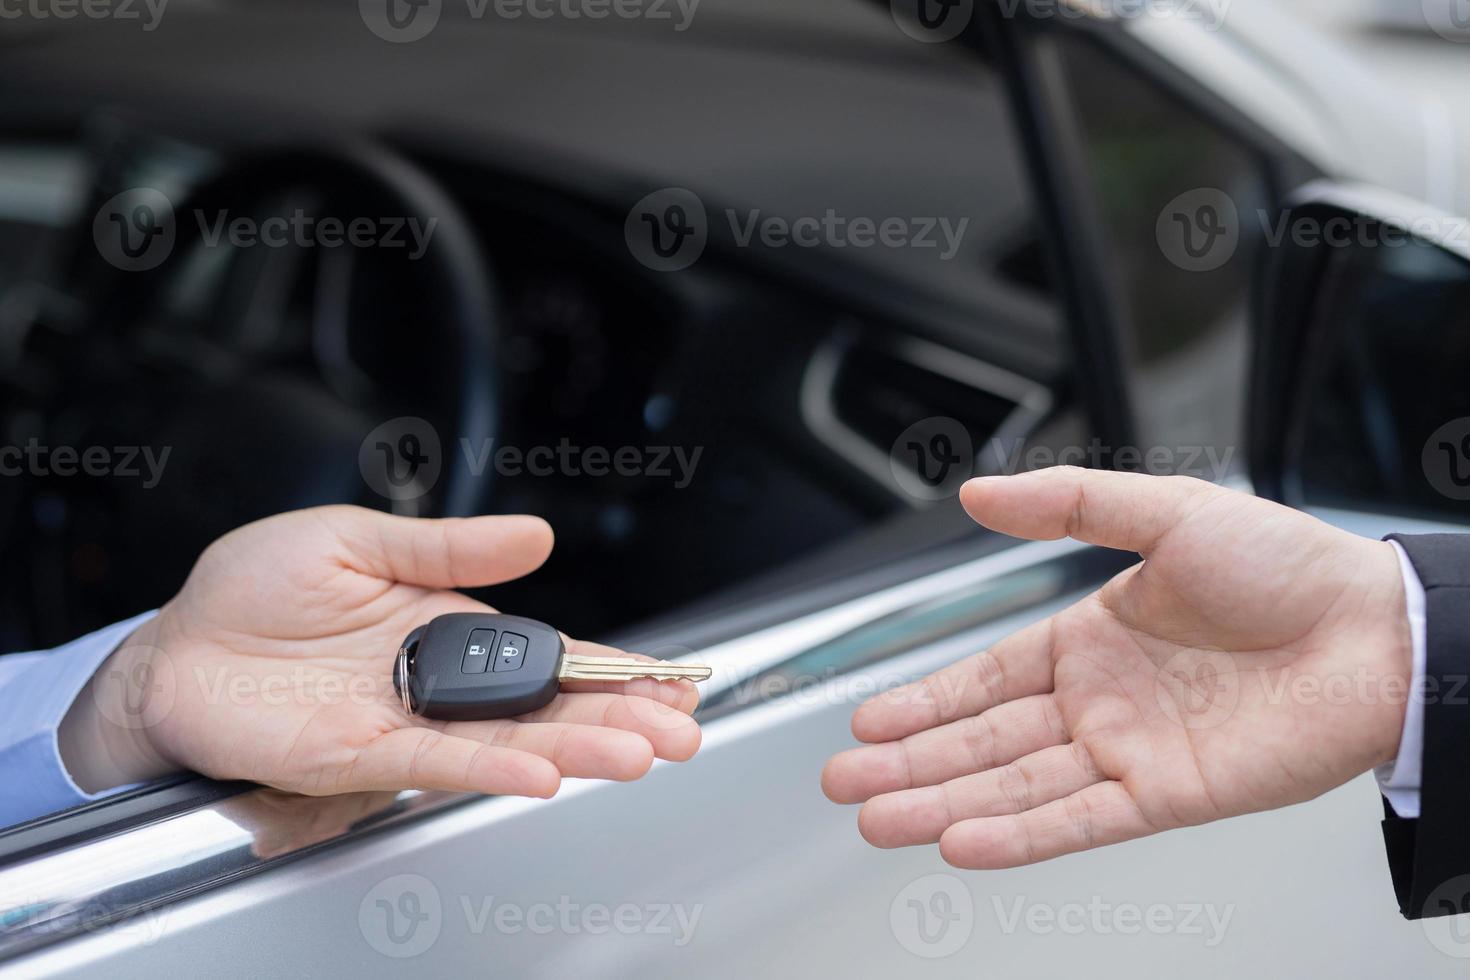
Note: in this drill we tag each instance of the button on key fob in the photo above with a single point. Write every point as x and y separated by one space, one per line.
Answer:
478 666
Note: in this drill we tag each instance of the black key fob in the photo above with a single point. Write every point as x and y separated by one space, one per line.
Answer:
478 666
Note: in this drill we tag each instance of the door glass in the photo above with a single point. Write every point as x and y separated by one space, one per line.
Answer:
1181 201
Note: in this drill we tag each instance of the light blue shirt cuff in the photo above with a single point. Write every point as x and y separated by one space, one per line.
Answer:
36 691
1399 780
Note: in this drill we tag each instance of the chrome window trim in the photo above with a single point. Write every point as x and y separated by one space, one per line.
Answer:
1033 403
86 886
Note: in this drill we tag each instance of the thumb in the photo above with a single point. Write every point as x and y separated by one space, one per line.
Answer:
1128 511
448 553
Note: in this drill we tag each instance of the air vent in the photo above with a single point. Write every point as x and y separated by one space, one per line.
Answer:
861 395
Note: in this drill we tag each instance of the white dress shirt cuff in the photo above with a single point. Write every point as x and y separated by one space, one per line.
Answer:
1399 780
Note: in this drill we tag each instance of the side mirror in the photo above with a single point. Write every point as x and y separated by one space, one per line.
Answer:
1361 384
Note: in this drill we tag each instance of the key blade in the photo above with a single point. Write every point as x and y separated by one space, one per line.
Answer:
574 668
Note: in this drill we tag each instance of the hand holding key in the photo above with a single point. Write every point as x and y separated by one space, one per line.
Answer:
274 664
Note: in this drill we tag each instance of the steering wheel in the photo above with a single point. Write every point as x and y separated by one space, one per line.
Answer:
197 367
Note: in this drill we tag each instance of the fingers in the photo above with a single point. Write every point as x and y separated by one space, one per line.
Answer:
974 744
440 554
600 736
582 751
672 733
1129 511
1099 815
1018 666
921 816
680 695
421 758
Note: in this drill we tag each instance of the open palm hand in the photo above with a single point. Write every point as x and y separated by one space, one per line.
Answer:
1200 684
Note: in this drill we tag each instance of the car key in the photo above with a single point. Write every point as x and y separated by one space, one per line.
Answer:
478 666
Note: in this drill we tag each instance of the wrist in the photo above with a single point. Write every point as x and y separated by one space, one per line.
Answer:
106 738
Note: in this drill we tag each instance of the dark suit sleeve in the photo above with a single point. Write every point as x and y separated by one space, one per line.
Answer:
1430 857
